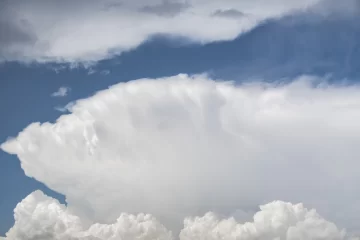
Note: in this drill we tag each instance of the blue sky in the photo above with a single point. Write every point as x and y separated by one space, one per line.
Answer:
281 49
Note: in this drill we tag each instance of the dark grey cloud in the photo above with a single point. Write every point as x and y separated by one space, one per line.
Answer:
230 13
13 29
14 32
167 8
112 5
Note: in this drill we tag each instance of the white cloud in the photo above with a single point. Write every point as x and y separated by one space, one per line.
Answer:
276 220
61 92
104 72
66 108
91 71
87 31
41 217
181 146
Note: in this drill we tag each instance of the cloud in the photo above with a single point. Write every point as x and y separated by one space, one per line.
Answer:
276 220
66 108
168 8
88 31
232 13
185 145
105 72
41 217
348 7
61 92
14 34
92 71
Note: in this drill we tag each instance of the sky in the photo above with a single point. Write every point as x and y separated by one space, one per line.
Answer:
169 119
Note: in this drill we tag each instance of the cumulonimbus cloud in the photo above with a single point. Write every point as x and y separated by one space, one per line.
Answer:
41 217
88 31
184 145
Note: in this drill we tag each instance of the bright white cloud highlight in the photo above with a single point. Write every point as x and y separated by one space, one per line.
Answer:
181 146
88 31
41 217
61 92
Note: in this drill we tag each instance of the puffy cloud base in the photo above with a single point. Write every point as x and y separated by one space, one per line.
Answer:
41 217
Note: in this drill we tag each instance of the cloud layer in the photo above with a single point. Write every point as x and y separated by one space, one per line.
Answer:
41 217
184 145
88 31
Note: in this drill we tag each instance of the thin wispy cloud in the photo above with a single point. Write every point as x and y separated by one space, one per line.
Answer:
105 72
66 108
61 92
92 71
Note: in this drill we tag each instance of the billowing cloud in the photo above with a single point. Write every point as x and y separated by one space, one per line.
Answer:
276 220
61 92
185 145
41 217
88 31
